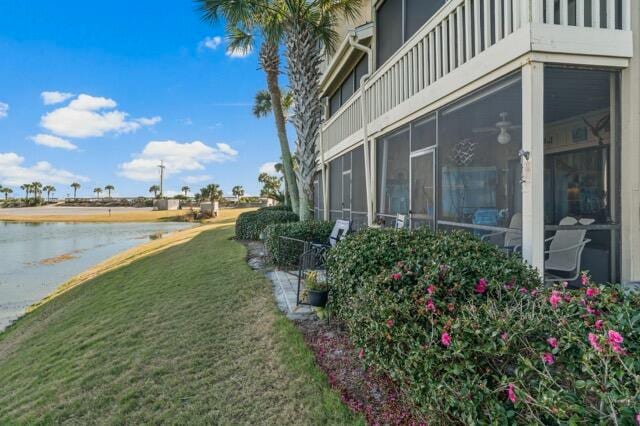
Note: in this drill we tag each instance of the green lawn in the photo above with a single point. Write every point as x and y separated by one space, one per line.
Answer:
189 335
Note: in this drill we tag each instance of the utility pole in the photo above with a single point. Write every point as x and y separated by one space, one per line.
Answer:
162 167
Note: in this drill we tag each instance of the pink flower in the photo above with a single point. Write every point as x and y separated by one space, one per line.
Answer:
615 337
638 419
565 284
598 324
511 393
361 353
593 340
548 358
508 286
592 292
445 339
553 342
555 298
396 276
523 291
431 289
481 286
584 279
431 306
504 336
390 323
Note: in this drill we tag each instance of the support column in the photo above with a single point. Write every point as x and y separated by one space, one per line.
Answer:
630 158
533 164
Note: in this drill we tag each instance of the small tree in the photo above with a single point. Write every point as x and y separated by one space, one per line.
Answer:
75 186
271 186
49 189
98 191
237 191
109 188
36 188
6 191
186 190
155 189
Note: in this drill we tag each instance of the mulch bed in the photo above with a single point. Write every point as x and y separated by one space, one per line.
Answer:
376 397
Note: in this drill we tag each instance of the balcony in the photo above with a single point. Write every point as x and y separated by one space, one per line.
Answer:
468 39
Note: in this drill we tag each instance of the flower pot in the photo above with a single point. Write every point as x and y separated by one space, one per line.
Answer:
318 297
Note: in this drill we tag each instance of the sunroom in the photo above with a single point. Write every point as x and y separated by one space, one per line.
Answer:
528 155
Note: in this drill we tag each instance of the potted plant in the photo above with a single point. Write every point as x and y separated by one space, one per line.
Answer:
317 290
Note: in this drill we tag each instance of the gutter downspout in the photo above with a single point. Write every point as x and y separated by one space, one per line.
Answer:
365 115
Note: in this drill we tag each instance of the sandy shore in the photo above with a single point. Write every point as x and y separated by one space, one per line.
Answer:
88 214
226 218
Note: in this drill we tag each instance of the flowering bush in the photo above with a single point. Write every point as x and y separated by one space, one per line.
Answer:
472 336
284 252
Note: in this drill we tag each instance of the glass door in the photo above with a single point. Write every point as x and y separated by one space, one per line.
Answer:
422 212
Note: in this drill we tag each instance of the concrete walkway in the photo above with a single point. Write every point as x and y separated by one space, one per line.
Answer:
285 286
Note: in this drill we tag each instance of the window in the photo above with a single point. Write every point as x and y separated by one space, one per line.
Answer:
335 185
318 202
479 168
358 189
393 174
581 145
348 194
397 21
349 86
423 133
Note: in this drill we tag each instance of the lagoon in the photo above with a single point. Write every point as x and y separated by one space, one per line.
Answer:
35 258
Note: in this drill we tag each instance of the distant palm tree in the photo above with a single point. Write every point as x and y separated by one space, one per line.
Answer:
26 188
237 191
75 186
6 191
186 190
98 191
155 189
212 192
36 188
109 188
49 189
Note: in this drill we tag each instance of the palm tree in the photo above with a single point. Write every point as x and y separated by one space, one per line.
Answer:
109 188
6 191
237 191
247 19
49 189
75 186
98 191
262 104
186 190
26 188
36 188
212 192
155 189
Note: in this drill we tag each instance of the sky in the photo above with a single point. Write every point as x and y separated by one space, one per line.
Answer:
98 92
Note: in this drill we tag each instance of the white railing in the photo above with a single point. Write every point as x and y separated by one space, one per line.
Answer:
459 32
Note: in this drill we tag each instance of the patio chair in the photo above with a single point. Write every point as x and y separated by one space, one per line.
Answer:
512 237
314 256
565 251
401 221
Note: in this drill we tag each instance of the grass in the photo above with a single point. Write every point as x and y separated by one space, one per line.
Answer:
186 335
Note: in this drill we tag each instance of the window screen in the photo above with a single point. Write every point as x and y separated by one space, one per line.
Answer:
335 185
347 89
418 13
388 30
423 133
393 173
334 103
358 188
361 70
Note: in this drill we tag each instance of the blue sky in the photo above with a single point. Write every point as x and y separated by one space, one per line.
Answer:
98 92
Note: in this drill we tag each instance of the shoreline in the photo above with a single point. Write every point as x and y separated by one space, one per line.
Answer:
128 256
98 217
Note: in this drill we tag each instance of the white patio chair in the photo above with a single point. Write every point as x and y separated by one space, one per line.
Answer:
512 236
565 251
401 221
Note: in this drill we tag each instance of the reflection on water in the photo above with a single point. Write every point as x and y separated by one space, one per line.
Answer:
37 257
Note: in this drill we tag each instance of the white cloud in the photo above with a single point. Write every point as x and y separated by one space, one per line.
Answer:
177 157
53 142
196 179
269 168
14 173
4 110
211 42
239 53
86 117
50 98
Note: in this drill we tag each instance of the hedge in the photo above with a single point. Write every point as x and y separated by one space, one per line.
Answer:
473 337
284 252
250 225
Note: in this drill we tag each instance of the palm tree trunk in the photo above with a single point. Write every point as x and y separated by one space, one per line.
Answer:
270 63
304 57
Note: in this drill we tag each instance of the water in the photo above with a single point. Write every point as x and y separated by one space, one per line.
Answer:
35 258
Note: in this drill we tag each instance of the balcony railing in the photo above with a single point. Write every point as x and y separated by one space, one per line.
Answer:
461 31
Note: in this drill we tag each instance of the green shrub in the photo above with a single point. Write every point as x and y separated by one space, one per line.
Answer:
250 225
464 329
278 207
284 252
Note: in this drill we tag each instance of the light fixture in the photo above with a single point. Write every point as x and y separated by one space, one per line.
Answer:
503 136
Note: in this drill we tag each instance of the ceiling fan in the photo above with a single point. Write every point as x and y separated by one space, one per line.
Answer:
502 128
